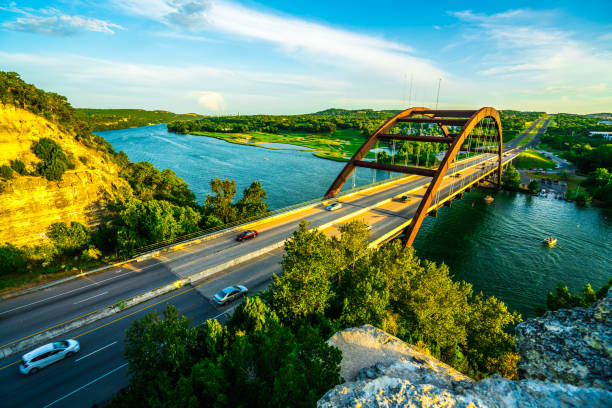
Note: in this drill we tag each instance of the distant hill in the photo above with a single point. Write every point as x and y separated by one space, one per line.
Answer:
599 115
112 119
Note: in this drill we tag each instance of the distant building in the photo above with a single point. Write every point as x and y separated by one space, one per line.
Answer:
607 135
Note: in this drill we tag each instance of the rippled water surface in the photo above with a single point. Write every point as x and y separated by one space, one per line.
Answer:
495 247
288 176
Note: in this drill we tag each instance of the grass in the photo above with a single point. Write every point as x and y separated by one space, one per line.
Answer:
340 144
530 159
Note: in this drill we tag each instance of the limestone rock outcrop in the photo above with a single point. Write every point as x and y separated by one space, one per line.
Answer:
30 204
382 371
572 346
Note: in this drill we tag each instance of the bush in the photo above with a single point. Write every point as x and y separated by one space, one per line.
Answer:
19 167
54 161
69 239
6 172
83 159
12 259
91 254
534 186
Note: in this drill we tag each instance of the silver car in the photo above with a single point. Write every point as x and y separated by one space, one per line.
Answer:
48 354
230 294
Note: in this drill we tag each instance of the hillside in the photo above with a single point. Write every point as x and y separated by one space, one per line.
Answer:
110 119
29 204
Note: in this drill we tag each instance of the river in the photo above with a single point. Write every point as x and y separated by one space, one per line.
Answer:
495 247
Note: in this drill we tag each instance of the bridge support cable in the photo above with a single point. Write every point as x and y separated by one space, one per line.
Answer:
475 136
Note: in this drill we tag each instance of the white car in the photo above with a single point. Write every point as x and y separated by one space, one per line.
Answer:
48 354
334 206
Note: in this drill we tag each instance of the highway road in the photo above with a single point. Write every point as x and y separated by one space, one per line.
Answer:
99 370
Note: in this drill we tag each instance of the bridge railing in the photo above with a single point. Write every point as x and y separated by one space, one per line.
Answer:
226 228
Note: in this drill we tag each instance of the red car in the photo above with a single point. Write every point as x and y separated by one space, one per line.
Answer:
246 235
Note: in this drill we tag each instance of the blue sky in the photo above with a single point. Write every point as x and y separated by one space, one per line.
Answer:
226 57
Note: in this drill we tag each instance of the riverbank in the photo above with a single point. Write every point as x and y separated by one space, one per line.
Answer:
339 146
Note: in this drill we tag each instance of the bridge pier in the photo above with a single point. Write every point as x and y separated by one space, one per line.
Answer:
448 203
433 213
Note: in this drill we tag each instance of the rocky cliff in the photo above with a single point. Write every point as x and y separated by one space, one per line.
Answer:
30 204
565 362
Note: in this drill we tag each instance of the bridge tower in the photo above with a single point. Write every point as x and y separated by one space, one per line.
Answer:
468 131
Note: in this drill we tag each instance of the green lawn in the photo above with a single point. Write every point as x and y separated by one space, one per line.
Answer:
342 143
530 159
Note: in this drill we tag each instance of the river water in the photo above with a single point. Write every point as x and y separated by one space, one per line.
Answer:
495 247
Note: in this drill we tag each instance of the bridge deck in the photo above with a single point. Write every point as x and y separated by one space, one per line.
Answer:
389 219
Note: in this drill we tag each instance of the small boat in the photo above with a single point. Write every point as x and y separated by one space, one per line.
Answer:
550 241
488 199
265 159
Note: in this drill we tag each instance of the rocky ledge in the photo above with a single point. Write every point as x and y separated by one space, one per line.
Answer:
570 346
565 362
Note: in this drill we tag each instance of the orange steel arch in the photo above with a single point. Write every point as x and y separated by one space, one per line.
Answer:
467 119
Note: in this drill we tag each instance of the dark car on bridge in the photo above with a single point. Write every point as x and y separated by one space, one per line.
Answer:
248 234
230 294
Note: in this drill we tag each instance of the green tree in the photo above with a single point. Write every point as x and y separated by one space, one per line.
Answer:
12 260
308 266
6 172
143 222
220 205
534 186
54 162
368 299
69 239
511 178
490 347
252 203
159 350
19 167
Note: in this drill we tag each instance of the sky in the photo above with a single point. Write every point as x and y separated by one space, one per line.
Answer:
286 57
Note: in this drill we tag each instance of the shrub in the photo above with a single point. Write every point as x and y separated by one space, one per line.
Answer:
91 254
12 259
69 239
83 159
19 167
6 172
54 161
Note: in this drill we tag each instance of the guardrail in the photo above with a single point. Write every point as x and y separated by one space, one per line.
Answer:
149 251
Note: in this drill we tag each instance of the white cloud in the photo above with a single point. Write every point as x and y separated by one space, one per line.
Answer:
213 101
526 50
350 50
53 22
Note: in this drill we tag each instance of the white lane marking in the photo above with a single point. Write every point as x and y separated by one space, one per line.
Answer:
86 385
91 297
61 294
94 352
120 270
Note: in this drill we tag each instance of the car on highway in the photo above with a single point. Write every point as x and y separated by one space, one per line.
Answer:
404 198
334 206
230 294
248 234
48 354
